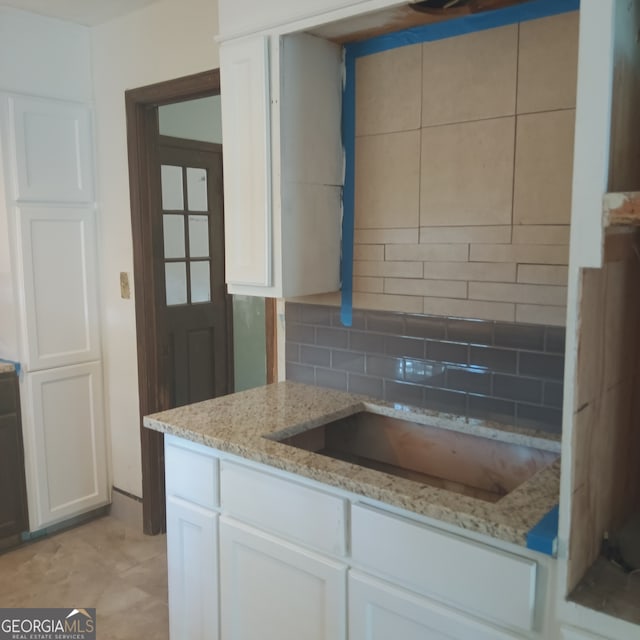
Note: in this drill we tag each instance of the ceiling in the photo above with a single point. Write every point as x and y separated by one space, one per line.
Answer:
86 12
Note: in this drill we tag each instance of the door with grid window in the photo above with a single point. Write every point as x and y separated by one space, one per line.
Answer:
189 265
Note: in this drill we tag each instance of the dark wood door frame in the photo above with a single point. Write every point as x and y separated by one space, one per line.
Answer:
142 135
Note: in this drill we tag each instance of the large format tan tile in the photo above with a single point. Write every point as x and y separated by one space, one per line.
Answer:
388 91
467 173
544 168
548 63
387 182
470 77
102 564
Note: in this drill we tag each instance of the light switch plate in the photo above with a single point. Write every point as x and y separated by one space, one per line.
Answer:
125 290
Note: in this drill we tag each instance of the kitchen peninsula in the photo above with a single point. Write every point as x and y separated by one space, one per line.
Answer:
273 533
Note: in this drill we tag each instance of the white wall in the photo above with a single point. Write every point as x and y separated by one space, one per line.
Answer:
45 57
166 40
193 119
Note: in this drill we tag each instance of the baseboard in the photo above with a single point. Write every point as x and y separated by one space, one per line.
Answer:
127 508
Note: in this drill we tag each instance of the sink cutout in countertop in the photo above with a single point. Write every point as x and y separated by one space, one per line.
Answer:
471 465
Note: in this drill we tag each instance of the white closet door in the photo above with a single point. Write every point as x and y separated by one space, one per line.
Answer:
52 149
65 442
59 267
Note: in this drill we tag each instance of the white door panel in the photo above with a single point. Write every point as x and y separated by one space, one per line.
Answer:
65 443
61 305
52 149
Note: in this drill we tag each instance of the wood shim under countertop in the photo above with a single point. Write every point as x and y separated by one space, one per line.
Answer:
621 209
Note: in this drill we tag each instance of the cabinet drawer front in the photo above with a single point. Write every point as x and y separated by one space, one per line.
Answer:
191 472
378 610
484 581
301 514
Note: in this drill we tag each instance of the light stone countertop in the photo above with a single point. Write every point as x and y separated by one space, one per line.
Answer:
7 367
242 423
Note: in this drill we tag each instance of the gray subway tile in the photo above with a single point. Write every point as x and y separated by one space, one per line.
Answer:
301 333
469 380
332 337
347 361
448 352
553 394
447 401
331 379
517 388
424 372
519 336
425 327
487 408
292 311
544 418
385 367
315 356
366 342
494 359
300 373
555 340
357 319
292 352
315 314
541 365
404 347
404 393
472 331
384 322
366 385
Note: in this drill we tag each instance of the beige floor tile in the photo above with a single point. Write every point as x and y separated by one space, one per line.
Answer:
102 564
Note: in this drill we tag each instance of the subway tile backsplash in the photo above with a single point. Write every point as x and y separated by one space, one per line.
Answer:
505 372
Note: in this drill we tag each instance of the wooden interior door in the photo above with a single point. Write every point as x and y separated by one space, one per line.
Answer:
195 310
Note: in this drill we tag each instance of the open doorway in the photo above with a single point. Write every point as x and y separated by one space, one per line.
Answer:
184 317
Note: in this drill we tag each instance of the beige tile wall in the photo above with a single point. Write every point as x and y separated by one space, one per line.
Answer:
464 152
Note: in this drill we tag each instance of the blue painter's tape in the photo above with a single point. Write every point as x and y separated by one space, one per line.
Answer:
544 536
348 192
14 363
462 25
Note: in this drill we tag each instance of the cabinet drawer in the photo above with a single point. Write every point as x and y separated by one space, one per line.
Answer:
487 582
191 472
309 517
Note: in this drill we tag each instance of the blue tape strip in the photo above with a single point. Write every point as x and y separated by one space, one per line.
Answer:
348 192
544 536
465 24
14 363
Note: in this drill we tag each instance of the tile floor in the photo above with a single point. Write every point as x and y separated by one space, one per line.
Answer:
103 564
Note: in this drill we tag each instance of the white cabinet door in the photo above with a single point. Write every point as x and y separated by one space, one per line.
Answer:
58 259
272 590
52 150
192 556
244 77
64 443
378 611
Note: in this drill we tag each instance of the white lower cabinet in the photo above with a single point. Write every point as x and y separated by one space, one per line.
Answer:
192 557
380 611
259 554
274 590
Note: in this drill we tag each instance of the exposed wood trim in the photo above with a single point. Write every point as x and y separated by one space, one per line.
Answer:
195 145
271 331
622 209
142 137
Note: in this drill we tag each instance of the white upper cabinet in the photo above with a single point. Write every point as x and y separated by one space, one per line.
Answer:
52 150
282 164
244 68
58 246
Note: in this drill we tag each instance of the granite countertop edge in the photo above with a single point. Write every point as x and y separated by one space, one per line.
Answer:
245 423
